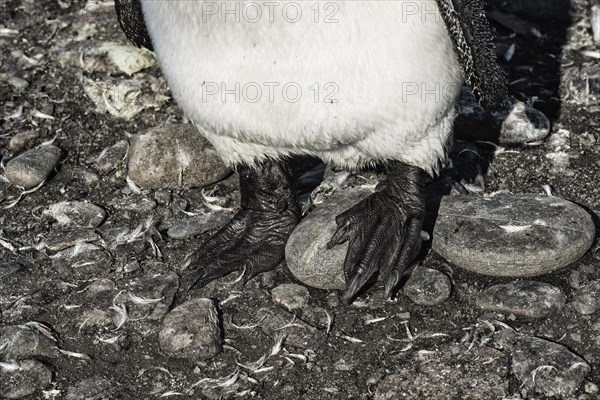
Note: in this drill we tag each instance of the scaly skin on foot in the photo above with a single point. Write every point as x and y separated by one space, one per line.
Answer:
383 230
253 241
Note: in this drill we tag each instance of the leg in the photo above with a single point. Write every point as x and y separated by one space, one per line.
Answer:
254 240
384 230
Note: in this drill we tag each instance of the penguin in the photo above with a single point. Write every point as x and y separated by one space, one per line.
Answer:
354 83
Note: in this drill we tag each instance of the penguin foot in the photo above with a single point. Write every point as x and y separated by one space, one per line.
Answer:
383 230
253 241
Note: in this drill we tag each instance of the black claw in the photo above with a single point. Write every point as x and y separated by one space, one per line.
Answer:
383 231
254 240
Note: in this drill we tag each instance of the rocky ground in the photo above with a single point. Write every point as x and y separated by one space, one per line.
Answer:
93 237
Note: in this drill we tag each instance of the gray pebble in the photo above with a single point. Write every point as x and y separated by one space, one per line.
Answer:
20 140
9 268
197 224
32 167
82 260
91 389
522 124
542 366
191 331
27 377
528 299
298 333
17 82
76 214
291 296
174 156
63 240
587 299
306 252
151 297
111 157
512 235
23 341
428 287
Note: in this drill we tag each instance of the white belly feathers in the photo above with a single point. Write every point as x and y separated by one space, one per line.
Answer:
349 81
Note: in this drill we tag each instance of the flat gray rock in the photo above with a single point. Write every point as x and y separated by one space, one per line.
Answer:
306 252
197 224
174 156
528 299
587 298
32 167
542 366
23 378
191 331
512 235
428 287
76 214
290 296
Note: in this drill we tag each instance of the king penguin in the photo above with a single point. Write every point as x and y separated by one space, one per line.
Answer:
355 83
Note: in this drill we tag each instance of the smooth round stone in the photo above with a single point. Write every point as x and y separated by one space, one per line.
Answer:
512 235
174 156
76 214
30 376
522 124
528 299
306 252
191 331
32 167
428 287
558 372
290 296
197 224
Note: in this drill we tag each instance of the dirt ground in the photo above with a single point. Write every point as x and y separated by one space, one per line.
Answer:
366 342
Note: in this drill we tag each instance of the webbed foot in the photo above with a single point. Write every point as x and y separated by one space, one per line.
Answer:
253 241
383 230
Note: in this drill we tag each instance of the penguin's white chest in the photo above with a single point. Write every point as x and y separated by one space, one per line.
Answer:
349 81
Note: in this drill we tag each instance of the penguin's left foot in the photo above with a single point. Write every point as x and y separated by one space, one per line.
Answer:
254 240
383 230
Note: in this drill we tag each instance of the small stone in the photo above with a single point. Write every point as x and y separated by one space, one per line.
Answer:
125 58
70 238
587 299
20 140
198 224
151 297
76 214
9 268
23 341
306 252
26 378
91 389
298 334
522 124
32 167
111 157
591 388
17 82
512 235
558 372
291 296
529 299
174 156
191 331
428 287
83 260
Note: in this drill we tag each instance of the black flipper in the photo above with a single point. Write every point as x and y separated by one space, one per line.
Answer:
383 230
470 32
254 240
131 19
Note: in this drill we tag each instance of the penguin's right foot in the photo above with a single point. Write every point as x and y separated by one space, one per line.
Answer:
254 240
